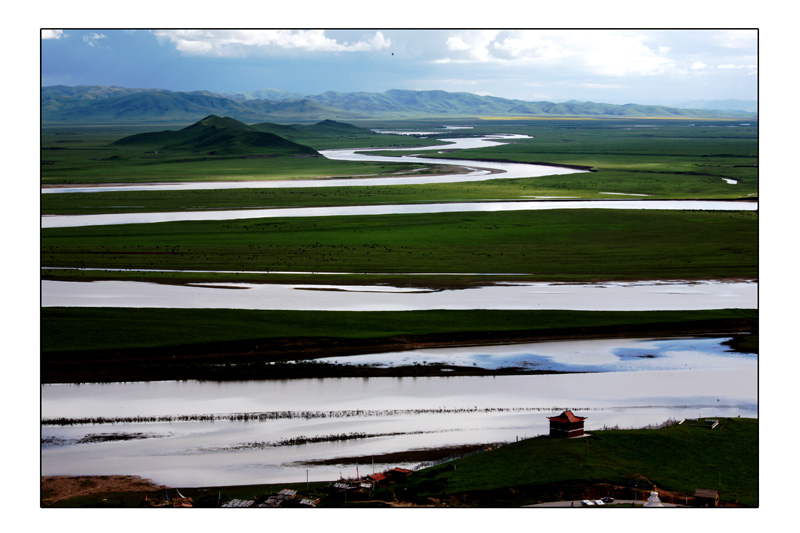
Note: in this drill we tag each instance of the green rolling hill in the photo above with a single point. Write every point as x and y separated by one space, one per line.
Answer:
216 135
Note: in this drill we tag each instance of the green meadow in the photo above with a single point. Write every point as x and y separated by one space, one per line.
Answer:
679 459
89 155
565 245
86 329
663 159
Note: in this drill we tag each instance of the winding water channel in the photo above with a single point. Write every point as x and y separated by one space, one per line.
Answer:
631 296
478 170
192 433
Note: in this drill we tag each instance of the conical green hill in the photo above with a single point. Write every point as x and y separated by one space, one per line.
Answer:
217 135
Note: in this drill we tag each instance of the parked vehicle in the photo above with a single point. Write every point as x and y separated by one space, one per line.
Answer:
608 499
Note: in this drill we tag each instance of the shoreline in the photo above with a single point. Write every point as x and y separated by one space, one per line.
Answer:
266 359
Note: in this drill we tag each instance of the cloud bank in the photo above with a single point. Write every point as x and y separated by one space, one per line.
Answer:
238 43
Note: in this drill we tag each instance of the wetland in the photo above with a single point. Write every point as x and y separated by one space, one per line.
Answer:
267 344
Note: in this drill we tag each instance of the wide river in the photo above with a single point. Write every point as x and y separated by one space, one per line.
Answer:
627 296
203 439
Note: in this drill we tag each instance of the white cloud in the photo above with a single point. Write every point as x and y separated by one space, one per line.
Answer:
53 34
603 52
699 65
752 69
622 54
739 39
91 38
242 42
470 46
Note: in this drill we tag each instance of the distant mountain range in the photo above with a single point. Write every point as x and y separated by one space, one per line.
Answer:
747 106
106 105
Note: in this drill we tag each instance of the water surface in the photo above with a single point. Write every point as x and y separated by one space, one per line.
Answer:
70 221
630 296
372 416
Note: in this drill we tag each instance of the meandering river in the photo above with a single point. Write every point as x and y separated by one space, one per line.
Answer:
192 433
479 171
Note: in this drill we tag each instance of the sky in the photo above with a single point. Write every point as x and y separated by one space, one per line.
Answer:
665 67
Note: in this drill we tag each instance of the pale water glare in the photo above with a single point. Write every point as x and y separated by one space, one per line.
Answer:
352 417
631 296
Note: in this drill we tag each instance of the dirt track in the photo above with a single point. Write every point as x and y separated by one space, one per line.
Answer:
57 488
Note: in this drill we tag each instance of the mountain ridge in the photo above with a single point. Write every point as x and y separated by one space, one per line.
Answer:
112 104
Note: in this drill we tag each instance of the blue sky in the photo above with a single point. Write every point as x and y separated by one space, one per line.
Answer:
601 65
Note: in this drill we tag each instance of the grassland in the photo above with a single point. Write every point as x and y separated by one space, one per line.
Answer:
664 160
660 158
678 459
576 245
89 155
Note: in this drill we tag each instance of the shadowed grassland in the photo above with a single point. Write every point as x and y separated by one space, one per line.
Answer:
567 245
107 344
678 459
84 329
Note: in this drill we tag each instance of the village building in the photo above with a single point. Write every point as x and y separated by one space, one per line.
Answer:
566 425
377 478
397 474
706 498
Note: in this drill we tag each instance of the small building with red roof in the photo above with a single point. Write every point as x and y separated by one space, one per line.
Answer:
377 478
566 425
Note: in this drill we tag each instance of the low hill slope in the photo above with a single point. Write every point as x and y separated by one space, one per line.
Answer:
218 136
322 135
674 460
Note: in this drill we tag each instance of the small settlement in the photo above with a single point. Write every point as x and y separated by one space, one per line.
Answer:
339 491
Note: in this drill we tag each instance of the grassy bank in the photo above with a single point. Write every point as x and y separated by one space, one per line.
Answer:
569 245
677 459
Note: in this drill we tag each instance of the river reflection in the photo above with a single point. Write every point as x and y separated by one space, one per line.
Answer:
367 417
610 355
